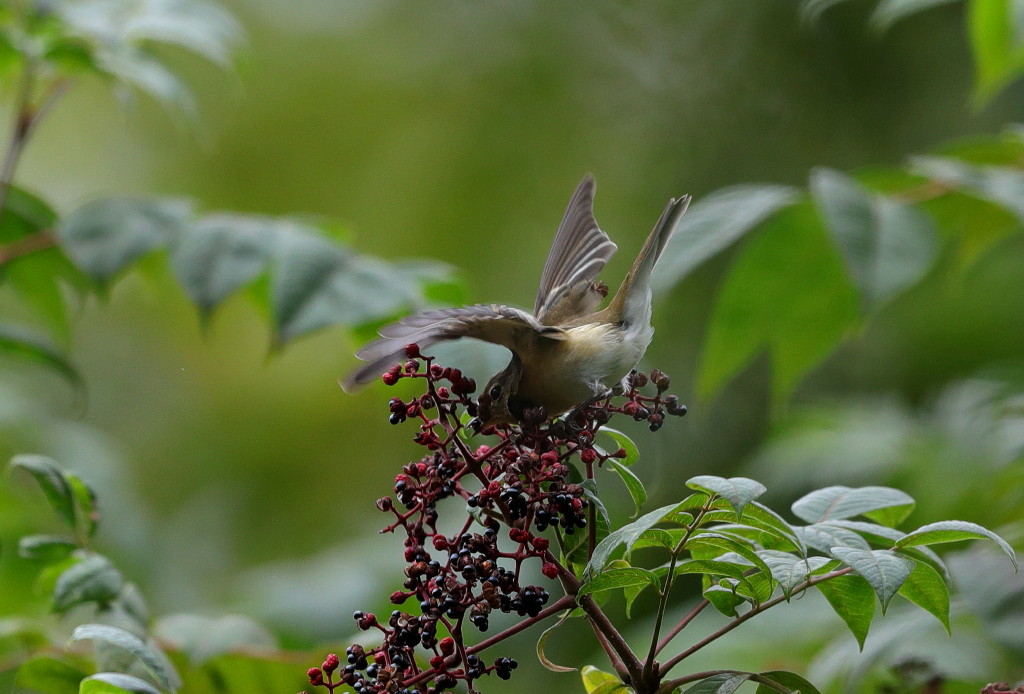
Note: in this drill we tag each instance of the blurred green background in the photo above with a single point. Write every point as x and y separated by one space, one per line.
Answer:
236 480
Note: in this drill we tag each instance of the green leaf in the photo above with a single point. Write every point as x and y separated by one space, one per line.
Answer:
595 681
43 673
612 578
632 482
87 511
317 283
103 237
994 29
759 523
1001 185
116 683
46 548
50 478
220 254
723 599
954 531
788 570
738 491
888 12
823 537
886 246
152 660
712 224
881 504
853 600
787 292
723 683
711 545
625 443
926 588
790 681
93 579
23 345
626 535
885 571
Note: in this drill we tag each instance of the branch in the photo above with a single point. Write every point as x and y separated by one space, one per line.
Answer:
26 244
753 612
683 623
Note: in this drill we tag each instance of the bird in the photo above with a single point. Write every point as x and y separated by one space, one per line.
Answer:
567 353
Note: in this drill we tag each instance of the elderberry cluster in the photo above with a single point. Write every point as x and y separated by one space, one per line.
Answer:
525 480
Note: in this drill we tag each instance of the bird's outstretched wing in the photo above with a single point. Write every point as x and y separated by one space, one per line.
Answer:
579 251
501 325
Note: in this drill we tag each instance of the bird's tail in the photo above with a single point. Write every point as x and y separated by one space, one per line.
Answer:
634 293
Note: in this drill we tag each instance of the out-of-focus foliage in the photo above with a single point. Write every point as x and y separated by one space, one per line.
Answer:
884 301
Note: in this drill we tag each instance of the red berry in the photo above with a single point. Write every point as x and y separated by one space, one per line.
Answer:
331 663
316 676
390 378
440 543
447 645
540 543
412 351
437 661
588 455
550 570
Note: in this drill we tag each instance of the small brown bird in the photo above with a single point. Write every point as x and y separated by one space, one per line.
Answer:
566 353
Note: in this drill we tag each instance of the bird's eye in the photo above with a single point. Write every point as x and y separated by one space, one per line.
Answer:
495 392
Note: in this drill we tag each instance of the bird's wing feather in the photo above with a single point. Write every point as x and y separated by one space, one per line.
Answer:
579 251
501 325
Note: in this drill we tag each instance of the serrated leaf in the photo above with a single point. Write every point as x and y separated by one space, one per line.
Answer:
708 545
220 254
21 344
853 600
738 491
633 484
103 237
46 548
619 577
542 656
791 682
823 537
625 443
786 293
954 531
93 579
885 571
888 12
50 478
712 224
44 673
886 246
926 588
116 683
152 660
881 504
723 683
790 571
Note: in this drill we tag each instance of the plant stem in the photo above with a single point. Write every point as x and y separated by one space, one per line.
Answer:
649 664
753 612
683 623
618 644
27 244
